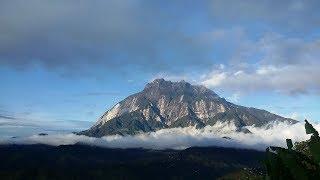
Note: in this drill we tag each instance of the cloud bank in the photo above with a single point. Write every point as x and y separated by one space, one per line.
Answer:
273 63
221 134
142 36
10 124
79 35
289 79
293 14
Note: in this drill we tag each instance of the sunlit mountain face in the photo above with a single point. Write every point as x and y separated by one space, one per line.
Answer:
165 104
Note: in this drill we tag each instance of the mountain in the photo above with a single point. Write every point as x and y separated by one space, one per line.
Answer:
166 104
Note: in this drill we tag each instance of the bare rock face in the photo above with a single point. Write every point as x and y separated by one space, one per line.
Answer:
166 104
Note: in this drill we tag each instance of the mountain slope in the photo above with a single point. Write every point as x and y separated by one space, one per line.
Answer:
166 104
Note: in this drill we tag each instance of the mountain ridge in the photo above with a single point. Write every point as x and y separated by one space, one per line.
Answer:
165 104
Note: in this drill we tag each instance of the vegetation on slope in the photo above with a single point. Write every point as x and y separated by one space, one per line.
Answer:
301 161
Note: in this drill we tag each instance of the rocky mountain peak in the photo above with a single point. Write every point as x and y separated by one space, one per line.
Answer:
166 104
158 83
160 87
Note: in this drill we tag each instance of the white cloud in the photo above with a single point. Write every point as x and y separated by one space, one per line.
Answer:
282 64
294 115
221 66
216 79
181 138
16 125
272 62
265 70
234 98
278 49
289 79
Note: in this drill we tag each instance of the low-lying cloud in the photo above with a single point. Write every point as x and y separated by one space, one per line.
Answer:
13 124
220 134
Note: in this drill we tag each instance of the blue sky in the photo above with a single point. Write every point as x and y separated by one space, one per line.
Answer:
62 64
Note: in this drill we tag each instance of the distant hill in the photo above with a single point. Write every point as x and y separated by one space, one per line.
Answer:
166 104
89 162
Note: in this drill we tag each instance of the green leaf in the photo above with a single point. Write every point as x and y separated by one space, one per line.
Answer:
314 146
289 144
288 163
310 129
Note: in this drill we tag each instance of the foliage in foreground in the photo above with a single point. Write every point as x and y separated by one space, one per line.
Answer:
299 162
